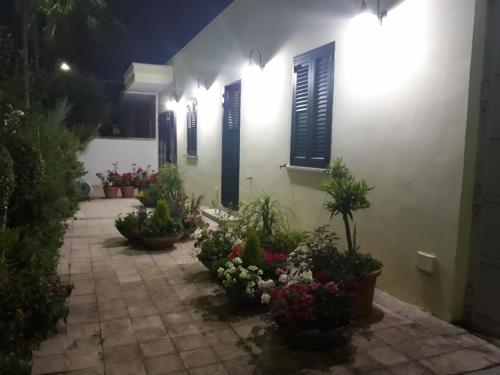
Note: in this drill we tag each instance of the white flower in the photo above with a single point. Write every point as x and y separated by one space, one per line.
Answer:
265 298
237 260
220 271
244 275
253 268
266 284
283 278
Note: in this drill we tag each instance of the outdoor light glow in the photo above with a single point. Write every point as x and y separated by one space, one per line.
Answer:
65 67
171 105
379 58
200 92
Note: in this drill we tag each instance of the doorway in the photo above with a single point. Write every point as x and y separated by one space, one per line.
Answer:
167 139
230 184
485 276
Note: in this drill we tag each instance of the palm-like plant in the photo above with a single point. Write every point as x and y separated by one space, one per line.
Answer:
347 195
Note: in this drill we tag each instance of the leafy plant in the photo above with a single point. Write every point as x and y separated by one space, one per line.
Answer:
7 184
215 244
161 223
348 195
252 253
131 221
110 178
288 240
266 215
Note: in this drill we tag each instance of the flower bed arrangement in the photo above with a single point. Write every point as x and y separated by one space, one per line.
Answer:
160 230
312 286
174 217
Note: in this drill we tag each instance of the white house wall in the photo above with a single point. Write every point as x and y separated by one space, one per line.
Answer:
399 121
103 152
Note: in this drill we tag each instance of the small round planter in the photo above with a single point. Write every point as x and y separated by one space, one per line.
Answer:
362 297
188 232
110 192
127 191
314 339
134 235
160 243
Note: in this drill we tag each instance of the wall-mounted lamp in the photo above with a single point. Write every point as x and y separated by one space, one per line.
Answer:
171 103
254 67
255 59
201 87
381 13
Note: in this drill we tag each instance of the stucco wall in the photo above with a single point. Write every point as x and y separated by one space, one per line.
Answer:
103 152
399 121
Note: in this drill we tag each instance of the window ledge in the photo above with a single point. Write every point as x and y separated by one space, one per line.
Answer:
305 169
192 157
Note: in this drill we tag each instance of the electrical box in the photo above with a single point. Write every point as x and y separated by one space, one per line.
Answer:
425 262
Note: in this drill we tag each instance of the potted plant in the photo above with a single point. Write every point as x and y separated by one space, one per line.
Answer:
214 245
242 276
110 181
160 230
348 195
191 216
309 314
143 177
127 186
130 226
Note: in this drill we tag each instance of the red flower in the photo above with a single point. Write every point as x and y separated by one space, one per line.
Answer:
235 252
352 285
273 258
321 277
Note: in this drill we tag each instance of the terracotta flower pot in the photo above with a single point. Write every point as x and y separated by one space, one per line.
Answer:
362 296
160 243
314 338
134 235
128 191
188 232
110 192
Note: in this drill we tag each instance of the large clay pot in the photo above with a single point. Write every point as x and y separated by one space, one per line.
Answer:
128 191
160 243
134 235
362 296
314 338
110 192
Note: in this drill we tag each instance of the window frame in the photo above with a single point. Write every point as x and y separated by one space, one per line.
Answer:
310 58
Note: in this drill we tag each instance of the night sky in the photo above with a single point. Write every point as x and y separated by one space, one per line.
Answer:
147 31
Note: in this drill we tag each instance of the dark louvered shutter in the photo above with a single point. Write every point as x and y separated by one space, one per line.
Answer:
231 146
192 125
312 108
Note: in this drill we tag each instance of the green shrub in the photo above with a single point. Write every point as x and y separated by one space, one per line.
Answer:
253 254
215 243
266 215
131 221
287 240
167 187
161 223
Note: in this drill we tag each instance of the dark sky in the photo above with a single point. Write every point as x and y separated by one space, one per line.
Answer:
148 31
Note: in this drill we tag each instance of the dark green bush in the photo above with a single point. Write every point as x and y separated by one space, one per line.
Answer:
161 223
7 183
43 157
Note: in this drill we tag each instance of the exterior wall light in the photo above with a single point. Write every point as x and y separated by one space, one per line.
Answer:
381 13
171 104
201 87
254 66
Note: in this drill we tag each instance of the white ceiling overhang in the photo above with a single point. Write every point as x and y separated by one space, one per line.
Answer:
148 78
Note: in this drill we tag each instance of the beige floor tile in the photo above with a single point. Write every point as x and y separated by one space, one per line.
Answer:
456 362
157 347
198 357
163 364
117 333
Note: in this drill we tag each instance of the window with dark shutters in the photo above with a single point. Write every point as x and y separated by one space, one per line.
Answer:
312 108
192 124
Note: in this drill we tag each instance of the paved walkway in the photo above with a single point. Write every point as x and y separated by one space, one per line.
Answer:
136 312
